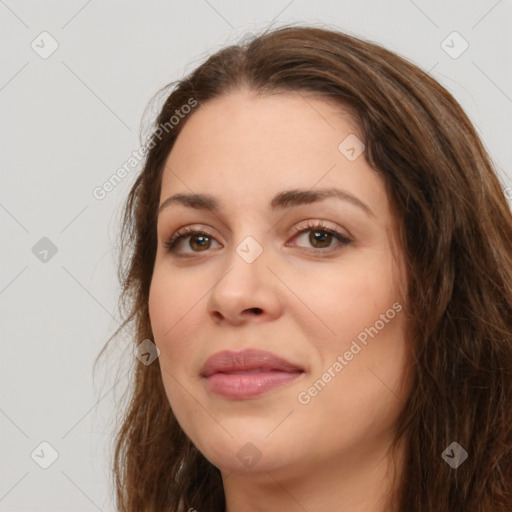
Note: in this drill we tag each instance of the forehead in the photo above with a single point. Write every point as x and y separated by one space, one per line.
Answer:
244 123
244 145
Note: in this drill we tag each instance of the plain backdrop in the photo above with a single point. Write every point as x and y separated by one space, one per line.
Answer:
76 77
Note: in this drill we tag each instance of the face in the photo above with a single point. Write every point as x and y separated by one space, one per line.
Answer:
312 279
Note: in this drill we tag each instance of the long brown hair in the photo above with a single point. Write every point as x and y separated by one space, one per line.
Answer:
456 234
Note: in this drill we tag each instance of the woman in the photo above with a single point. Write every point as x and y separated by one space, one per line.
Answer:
322 255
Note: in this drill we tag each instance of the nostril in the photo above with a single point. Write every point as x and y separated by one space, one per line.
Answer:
258 311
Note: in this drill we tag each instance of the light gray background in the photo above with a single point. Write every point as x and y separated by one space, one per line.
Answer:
70 120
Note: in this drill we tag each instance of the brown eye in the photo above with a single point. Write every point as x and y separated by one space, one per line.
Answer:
199 242
320 239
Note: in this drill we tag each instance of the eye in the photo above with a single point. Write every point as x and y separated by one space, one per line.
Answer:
199 240
321 236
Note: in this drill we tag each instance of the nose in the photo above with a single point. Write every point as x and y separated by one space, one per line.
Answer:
246 292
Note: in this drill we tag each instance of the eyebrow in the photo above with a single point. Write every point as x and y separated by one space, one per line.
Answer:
281 201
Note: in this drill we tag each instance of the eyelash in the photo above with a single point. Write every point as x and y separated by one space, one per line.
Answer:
186 232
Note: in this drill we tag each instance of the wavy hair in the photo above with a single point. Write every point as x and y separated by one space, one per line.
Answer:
455 230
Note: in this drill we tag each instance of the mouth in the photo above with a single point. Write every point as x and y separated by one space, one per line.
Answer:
247 374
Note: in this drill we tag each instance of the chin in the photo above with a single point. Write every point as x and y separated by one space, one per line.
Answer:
248 451
246 459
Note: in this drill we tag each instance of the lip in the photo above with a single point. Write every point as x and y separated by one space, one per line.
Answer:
247 373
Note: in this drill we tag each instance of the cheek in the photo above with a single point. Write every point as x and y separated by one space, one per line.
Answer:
172 315
175 307
361 387
342 302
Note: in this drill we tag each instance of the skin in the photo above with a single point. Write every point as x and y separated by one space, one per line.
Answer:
331 453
